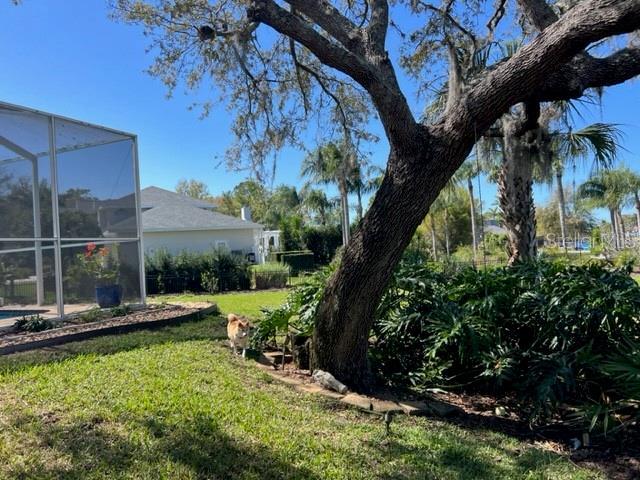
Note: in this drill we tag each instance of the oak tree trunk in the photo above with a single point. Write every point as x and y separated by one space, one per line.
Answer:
347 310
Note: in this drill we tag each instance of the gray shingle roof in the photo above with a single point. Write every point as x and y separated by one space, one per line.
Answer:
186 217
151 197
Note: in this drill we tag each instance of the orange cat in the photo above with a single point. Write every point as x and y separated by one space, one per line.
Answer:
238 333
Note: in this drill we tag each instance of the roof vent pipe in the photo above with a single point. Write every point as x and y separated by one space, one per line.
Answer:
245 214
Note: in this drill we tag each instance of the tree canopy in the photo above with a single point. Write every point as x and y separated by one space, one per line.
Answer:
285 66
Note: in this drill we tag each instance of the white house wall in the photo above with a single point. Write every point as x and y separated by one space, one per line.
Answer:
199 241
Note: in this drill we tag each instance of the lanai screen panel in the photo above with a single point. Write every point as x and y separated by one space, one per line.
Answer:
64 186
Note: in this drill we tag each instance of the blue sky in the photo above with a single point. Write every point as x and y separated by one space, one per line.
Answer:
67 57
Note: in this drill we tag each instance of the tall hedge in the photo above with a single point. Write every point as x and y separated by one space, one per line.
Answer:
323 242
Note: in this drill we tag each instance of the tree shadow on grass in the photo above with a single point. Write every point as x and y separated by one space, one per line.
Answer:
209 328
464 457
141 448
198 447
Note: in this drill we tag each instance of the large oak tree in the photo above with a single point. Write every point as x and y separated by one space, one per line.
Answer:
279 63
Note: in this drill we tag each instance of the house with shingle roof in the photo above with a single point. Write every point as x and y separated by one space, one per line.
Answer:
177 223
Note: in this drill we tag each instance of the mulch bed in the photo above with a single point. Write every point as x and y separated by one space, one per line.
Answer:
71 330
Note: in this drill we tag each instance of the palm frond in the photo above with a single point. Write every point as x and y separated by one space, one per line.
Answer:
602 140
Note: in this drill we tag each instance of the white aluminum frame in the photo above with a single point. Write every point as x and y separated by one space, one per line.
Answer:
56 238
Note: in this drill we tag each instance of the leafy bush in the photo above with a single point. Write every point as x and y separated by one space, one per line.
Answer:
298 260
562 339
209 282
297 313
627 258
323 242
93 315
269 275
232 271
159 267
464 254
120 311
213 271
35 323
546 332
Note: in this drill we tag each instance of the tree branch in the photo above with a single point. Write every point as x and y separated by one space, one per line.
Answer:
327 17
454 89
498 14
538 12
375 74
447 16
325 89
329 53
378 24
297 65
514 80
585 72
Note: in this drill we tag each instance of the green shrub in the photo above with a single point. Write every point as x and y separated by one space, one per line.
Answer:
159 267
213 271
543 332
464 254
232 271
35 323
277 256
627 259
93 315
299 262
562 339
323 242
120 311
209 282
269 275
297 313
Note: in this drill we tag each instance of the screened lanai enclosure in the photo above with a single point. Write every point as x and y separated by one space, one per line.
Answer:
69 215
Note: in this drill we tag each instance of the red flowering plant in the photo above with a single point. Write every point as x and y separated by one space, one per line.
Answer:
101 263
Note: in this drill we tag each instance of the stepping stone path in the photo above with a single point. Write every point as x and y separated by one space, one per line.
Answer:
303 382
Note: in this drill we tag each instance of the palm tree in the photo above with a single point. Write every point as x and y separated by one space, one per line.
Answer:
542 154
598 139
330 165
315 200
449 196
362 181
634 190
469 170
610 189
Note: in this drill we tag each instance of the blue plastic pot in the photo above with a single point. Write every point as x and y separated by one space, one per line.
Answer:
109 296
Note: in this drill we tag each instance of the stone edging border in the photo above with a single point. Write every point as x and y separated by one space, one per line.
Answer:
113 330
379 406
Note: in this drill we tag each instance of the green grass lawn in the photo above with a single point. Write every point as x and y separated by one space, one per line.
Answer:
174 404
243 303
